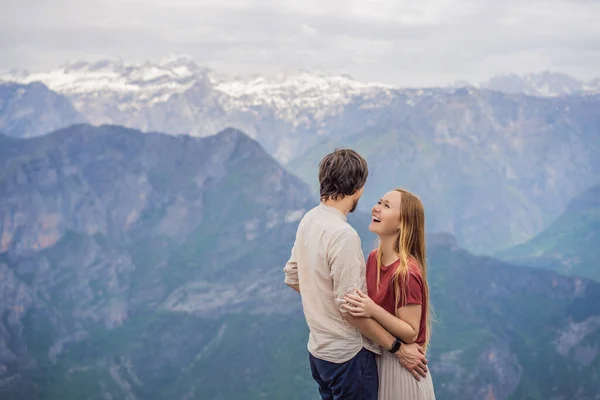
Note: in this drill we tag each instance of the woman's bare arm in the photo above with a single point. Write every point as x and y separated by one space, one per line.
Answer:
405 328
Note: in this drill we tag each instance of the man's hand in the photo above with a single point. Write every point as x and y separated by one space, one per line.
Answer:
412 357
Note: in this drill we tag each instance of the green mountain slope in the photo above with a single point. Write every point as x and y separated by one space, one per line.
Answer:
570 245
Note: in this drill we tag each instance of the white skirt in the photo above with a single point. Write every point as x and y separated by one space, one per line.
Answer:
397 383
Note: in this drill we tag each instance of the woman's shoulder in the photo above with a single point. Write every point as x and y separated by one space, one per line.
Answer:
414 268
372 258
372 254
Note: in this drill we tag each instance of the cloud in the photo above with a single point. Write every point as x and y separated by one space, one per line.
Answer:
422 43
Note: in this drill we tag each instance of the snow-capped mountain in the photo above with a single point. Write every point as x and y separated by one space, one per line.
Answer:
301 97
545 84
295 97
114 83
287 113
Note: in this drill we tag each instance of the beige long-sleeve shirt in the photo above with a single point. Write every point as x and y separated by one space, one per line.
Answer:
327 262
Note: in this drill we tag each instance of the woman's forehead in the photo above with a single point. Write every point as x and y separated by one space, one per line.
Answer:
393 197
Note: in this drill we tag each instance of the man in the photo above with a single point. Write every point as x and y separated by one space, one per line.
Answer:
326 263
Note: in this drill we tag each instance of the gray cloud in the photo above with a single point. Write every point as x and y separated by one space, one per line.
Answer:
428 42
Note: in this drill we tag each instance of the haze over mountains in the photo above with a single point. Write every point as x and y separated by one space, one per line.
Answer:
545 84
508 152
175 95
149 266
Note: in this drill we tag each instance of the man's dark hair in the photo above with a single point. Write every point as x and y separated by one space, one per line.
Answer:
341 174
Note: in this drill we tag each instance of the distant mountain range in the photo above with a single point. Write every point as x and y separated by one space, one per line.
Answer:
149 266
286 113
479 158
175 95
545 84
494 169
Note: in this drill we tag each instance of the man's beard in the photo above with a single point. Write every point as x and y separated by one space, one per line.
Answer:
354 206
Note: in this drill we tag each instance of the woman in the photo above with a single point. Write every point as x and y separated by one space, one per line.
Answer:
397 284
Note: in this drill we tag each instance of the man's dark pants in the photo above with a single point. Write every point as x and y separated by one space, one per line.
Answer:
355 379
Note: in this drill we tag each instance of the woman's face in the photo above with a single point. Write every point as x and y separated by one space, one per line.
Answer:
385 215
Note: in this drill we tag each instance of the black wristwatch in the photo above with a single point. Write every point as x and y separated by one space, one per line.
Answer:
395 346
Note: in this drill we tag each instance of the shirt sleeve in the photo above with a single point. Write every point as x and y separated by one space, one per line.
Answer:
414 294
291 269
347 265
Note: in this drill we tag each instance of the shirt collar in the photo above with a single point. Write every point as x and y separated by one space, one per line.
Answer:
333 210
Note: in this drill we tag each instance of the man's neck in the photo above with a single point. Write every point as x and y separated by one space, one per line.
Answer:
388 248
344 206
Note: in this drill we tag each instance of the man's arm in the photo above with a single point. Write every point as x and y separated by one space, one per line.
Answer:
347 268
373 330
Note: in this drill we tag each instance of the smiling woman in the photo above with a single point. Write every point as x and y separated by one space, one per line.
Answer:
398 289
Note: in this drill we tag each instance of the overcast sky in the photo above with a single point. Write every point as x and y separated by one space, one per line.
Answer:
414 43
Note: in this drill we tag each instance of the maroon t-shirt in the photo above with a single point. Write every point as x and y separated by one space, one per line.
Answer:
384 295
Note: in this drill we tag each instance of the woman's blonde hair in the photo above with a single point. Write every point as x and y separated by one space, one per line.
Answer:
410 243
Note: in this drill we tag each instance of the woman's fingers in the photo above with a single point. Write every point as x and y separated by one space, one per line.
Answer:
353 296
353 302
353 311
349 308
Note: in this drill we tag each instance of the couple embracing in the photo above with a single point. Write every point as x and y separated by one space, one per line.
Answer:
368 321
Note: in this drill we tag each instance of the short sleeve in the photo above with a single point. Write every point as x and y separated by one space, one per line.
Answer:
372 261
414 293
347 265
291 268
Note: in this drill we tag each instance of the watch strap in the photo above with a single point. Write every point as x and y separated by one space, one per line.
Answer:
395 346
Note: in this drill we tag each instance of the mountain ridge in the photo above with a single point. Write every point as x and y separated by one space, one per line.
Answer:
544 84
184 66
32 109
303 99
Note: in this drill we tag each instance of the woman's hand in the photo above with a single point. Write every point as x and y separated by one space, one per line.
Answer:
359 305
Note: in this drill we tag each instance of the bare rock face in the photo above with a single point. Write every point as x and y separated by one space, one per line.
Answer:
92 218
